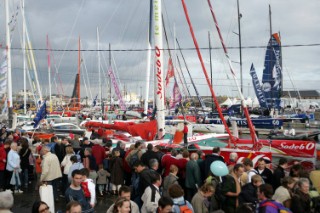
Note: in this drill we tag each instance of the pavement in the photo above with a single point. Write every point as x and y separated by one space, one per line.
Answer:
23 202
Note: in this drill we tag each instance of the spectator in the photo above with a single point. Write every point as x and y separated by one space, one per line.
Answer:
75 166
154 165
244 208
102 180
148 155
267 205
193 178
200 200
151 194
121 205
231 189
89 162
264 172
40 207
6 201
169 159
3 161
25 153
248 167
177 193
171 179
249 192
185 134
233 157
98 152
66 164
13 168
73 207
301 199
283 193
164 205
279 173
125 192
51 170
85 144
75 192
116 170
211 158
88 187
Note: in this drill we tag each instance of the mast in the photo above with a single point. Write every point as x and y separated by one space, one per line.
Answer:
99 69
24 60
210 64
240 46
148 61
159 85
79 64
8 44
49 74
110 76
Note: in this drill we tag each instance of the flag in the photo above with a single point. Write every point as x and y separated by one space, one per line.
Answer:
170 72
41 114
176 96
95 101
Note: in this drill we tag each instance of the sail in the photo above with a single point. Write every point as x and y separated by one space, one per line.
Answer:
116 88
272 73
257 87
3 82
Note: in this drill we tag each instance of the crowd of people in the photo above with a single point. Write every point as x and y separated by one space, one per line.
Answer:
145 179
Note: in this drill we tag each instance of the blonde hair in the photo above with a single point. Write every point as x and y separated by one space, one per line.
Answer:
69 150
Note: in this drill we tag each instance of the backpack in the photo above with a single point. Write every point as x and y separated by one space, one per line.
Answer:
184 208
280 207
133 159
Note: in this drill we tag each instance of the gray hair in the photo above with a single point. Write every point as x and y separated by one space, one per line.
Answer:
6 200
194 156
13 144
233 156
153 162
302 181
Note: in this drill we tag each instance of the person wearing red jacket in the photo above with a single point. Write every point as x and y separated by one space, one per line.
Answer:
169 159
3 161
185 134
98 152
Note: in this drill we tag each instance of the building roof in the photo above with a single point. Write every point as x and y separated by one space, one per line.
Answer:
303 94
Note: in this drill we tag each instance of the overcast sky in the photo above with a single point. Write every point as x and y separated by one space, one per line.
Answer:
124 24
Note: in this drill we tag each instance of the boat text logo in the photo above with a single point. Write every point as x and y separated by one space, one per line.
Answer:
308 146
159 78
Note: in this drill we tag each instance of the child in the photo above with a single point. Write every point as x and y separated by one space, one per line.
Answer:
102 179
88 187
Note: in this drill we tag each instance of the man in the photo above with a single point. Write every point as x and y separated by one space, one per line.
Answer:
13 167
154 165
73 207
148 155
267 205
125 192
98 152
51 170
57 148
135 154
168 160
6 201
144 176
3 162
85 144
193 178
165 205
249 192
151 195
264 172
185 134
231 189
279 173
75 193
248 167
211 158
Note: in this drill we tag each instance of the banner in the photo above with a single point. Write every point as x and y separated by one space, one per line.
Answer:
170 72
176 99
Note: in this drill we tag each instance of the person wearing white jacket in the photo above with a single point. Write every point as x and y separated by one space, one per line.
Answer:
51 170
151 195
66 164
13 167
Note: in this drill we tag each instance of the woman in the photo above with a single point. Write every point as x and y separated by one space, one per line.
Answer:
66 164
25 163
40 207
283 193
301 199
122 205
200 201
116 168
89 162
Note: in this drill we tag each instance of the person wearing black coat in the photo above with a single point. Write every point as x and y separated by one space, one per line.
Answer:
301 199
249 192
211 158
264 172
279 173
25 161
